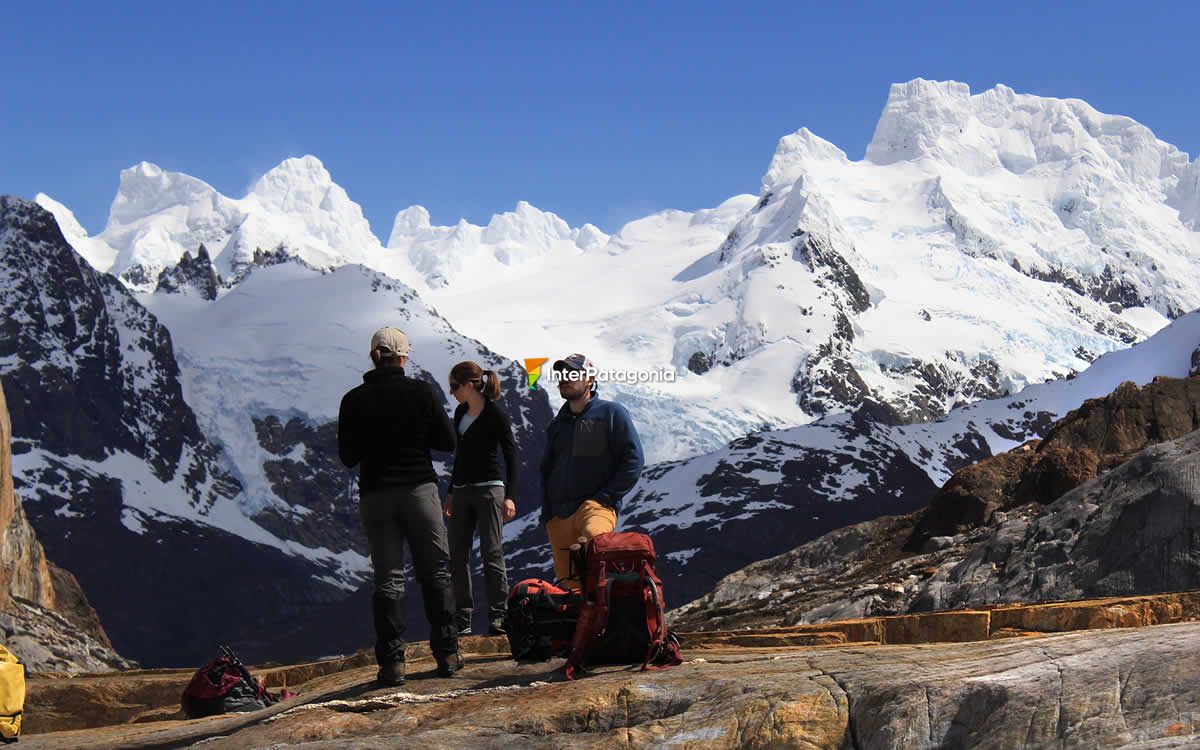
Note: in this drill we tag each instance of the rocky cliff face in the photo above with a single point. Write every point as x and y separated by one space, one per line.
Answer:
24 572
45 619
1003 530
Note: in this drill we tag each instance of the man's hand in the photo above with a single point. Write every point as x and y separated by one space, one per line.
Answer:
510 509
447 508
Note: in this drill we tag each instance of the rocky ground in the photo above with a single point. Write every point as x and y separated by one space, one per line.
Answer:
1127 675
46 641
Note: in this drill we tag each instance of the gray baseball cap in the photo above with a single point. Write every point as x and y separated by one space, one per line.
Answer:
390 342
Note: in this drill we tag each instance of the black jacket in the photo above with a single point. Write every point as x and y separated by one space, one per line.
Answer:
388 425
475 459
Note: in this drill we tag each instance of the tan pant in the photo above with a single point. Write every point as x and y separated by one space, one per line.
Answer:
590 519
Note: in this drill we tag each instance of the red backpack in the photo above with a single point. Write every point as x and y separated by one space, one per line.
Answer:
224 685
622 618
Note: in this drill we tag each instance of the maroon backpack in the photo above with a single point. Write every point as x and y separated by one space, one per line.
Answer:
224 685
622 618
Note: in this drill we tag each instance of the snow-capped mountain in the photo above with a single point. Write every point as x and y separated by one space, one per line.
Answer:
772 491
167 491
984 243
158 217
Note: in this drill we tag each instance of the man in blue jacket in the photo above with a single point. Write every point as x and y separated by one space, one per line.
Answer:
593 457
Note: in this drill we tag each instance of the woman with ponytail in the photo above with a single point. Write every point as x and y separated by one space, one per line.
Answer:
481 499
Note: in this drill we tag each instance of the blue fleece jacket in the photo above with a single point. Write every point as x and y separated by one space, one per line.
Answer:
593 455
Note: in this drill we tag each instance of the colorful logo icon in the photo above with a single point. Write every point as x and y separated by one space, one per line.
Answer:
533 369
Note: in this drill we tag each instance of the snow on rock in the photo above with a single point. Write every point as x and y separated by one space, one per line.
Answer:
96 252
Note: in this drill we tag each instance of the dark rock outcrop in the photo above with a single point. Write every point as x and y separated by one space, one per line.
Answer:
1133 530
1004 530
191 273
1100 434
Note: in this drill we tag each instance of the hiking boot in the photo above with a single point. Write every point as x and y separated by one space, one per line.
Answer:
496 627
391 674
448 664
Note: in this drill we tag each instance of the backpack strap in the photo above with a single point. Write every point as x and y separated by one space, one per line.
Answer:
663 649
593 621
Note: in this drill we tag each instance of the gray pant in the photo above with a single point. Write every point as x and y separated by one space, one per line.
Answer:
478 508
392 516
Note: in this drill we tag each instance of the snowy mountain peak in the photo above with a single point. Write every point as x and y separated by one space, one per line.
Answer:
298 208
433 256
408 222
1001 129
159 215
297 184
791 154
146 188
525 232
589 237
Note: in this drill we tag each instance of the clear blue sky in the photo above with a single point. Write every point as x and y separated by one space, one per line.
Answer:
598 112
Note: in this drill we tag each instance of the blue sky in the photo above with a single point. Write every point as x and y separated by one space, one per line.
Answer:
598 112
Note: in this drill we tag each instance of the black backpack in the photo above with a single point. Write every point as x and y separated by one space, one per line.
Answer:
541 618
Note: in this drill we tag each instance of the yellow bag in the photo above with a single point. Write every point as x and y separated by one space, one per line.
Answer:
12 695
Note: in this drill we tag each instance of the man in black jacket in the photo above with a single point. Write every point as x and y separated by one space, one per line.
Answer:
387 427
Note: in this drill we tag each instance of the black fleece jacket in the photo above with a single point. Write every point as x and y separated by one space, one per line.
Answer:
388 425
475 459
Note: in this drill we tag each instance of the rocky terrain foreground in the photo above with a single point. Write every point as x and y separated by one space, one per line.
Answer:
1099 673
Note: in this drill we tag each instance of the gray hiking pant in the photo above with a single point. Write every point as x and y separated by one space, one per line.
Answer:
391 517
478 508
